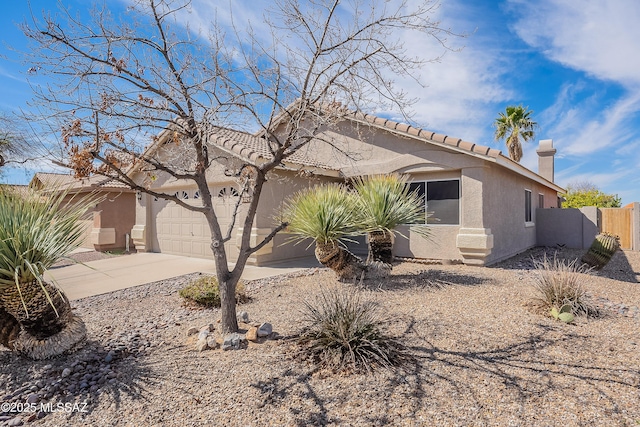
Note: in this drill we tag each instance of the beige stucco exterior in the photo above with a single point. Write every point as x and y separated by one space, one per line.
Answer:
491 224
279 186
108 224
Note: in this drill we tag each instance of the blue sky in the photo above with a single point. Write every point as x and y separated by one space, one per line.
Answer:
575 64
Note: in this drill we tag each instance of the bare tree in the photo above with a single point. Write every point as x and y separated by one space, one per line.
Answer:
120 83
13 143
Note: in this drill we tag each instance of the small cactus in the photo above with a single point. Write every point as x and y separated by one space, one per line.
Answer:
564 314
601 250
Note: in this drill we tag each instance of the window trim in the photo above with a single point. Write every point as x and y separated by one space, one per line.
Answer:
426 183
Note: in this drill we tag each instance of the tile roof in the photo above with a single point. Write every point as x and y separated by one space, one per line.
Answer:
428 136
51 180
18 189
255 148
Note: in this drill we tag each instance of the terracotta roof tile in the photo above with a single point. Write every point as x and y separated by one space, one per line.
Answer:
53 180
425 134
254 148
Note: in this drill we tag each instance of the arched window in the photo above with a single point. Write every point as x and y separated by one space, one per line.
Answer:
228 192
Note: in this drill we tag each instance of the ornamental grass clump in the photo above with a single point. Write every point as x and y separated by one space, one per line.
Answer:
205 292
346 333
559 289
383 203
36 231
326 215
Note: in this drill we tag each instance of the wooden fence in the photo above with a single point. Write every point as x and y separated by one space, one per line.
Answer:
618 221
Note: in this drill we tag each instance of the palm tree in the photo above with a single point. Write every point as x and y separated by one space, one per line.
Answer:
383 203
35 232
513 126
326 214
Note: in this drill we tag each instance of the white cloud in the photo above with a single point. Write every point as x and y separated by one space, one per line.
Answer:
461 89
585 127
596 36
464 86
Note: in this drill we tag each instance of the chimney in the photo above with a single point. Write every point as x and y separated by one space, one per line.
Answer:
546 152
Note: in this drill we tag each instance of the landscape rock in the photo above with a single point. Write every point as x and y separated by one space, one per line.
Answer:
265 330
233 341
192 331
212 342
252 334
209 328
17 421
65 372
243 316
202 345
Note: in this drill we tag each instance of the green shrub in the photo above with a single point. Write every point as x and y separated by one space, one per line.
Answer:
345 333
204 291
558 287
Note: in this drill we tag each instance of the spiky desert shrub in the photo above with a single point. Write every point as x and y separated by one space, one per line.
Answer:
324 213
558 285
205 292
36 231
346 333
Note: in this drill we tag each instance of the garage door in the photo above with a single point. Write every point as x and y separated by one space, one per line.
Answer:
180 231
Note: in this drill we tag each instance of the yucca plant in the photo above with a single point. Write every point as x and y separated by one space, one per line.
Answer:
37 230
559 289
345 332
326 214
383 203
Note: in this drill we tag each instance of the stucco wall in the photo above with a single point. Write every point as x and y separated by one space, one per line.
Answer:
279 185
441 242
572 228
117 212
108 222
504 211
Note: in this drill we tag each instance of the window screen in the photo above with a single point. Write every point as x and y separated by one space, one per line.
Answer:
442 200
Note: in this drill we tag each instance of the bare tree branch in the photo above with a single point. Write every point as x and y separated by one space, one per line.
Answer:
141 101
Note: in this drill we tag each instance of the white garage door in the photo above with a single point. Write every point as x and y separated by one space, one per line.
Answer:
180 231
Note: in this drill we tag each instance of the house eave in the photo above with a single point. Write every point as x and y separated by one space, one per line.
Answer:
518 168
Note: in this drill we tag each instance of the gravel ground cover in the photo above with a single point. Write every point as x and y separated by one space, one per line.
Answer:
482 357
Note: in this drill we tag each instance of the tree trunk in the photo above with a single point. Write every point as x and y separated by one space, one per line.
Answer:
44 331
228 319
380 247
346 265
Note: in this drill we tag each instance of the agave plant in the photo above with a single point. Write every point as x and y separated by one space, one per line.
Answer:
326 214
35 232
383 203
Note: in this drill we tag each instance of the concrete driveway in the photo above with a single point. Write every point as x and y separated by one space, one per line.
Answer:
112 274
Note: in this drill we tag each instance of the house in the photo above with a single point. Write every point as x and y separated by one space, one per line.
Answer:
481 204
109 222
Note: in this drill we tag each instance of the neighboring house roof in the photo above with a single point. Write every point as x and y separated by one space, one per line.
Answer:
45 181
20 190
